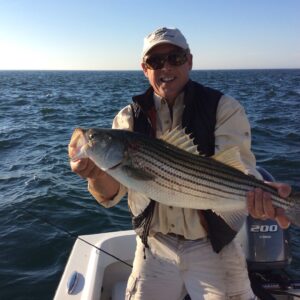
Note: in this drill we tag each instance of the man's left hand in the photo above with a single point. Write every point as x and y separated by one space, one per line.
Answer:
260 205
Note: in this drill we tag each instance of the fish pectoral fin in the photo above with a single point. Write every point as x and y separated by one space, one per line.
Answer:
231 157
234 219
138 174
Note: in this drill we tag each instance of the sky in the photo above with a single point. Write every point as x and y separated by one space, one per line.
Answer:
108 34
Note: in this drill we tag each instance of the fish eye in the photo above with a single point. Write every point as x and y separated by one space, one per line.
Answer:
91 136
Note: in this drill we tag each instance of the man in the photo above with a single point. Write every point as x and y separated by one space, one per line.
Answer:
182 251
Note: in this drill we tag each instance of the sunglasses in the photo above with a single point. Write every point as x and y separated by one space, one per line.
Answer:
157 61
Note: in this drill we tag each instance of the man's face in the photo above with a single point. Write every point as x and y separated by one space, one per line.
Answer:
168 81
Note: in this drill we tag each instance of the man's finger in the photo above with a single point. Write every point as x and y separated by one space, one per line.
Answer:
268 207
281 218
284 190
258 203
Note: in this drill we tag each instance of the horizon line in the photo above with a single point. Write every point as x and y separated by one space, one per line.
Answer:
140 70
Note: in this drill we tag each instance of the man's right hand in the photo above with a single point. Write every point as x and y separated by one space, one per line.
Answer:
101 185
84 167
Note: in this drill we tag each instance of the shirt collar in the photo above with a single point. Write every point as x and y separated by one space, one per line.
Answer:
158 100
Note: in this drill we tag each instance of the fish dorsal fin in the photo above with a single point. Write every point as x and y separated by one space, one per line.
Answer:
177 137
231 157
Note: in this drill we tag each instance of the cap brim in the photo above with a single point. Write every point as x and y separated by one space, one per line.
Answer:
145 52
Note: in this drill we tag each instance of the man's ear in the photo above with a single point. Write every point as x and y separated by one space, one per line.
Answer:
145 69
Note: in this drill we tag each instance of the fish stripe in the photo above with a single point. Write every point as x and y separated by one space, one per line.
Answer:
222 181
191 182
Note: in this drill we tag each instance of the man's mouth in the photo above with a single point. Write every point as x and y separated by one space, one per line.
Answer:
167 79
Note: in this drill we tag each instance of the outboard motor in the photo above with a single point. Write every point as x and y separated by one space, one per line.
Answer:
267 252
267 244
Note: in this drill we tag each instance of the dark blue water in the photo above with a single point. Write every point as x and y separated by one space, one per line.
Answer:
38 112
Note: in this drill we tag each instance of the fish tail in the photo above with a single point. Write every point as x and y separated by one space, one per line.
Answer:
293 212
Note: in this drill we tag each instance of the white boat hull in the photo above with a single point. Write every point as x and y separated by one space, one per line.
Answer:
99 275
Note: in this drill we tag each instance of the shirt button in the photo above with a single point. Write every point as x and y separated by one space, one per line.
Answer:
172 225
167 121
171 207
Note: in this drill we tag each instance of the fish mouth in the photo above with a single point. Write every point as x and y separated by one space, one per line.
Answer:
78 145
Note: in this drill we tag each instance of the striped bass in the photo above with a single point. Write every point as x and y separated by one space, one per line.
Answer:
171 171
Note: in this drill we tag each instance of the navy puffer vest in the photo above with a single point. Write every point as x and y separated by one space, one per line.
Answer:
199 119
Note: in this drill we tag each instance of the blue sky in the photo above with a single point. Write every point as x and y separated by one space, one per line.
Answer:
108 34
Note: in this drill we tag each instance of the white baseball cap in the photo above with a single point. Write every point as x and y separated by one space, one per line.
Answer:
164 36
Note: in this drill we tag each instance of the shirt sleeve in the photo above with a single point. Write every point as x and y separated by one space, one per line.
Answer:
233 129
123 120
111 202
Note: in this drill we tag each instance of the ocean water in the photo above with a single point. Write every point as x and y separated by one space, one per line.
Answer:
38 112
